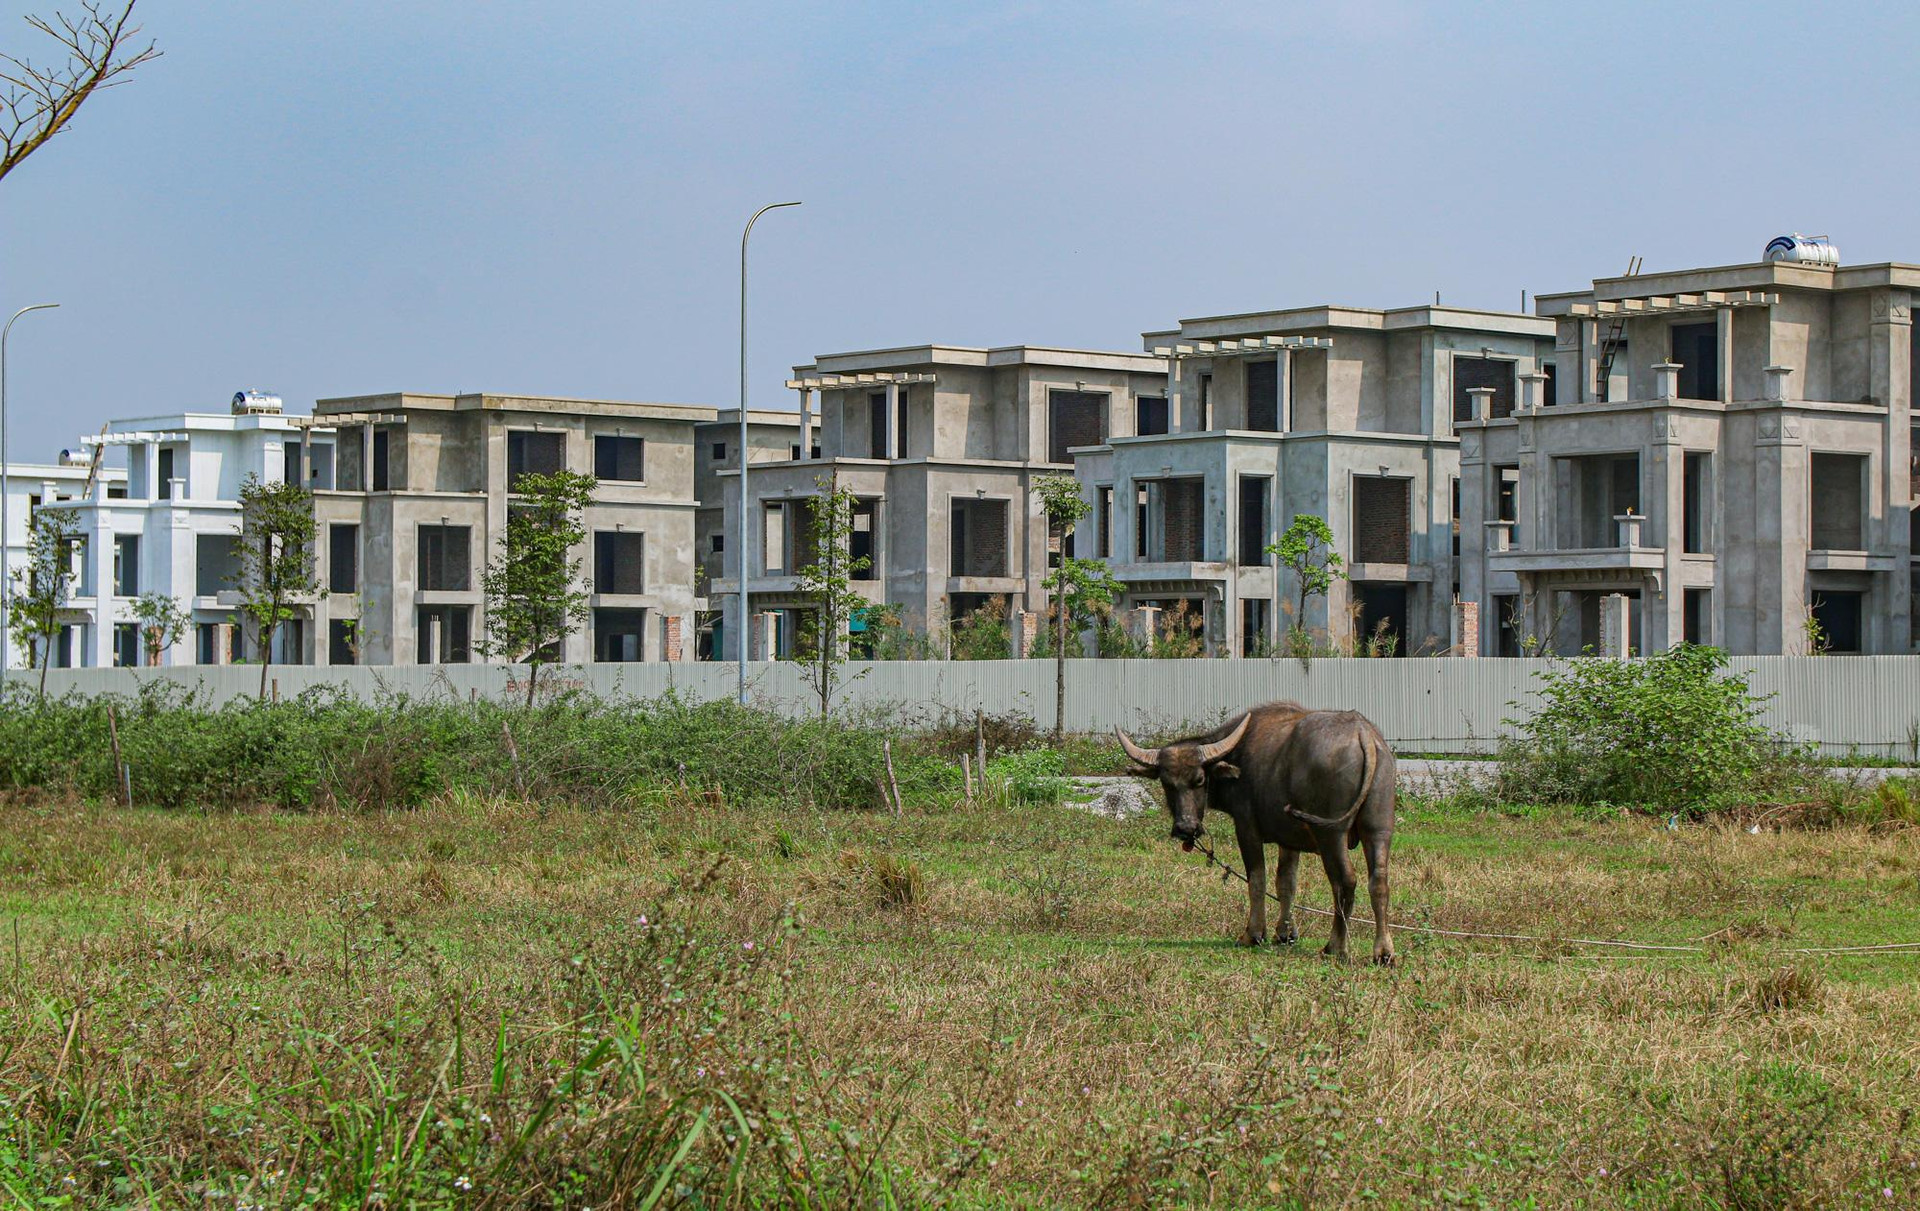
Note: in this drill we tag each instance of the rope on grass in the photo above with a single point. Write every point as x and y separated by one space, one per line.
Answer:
1881 948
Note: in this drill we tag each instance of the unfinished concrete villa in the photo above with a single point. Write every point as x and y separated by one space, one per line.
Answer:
1729 459
940 446
1344 413
420 503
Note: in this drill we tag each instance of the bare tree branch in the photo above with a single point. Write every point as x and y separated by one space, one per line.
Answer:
36 103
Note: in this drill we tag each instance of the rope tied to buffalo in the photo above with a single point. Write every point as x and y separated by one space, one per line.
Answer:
1206 847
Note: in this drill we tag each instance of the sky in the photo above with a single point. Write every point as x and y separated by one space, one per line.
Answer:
355 196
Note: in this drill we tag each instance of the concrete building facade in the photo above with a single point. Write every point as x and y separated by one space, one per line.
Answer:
420 505
167 522
1729 457
940 446
772 436
1343 413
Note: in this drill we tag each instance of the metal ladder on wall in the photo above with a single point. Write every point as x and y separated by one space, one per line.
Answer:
1611 344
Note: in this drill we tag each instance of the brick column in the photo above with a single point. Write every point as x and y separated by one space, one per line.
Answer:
1466 628
1026 633
670 638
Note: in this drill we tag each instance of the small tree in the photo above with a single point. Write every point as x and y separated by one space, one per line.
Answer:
1064 507
163 623
41 588
1306 549
533 591
827 582
274 559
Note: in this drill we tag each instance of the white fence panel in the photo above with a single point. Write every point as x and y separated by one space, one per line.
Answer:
1864 704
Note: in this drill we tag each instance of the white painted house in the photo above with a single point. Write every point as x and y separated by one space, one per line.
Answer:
30 486
174 530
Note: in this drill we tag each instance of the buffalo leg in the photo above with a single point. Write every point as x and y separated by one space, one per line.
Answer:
1286 878
1378 846
1333 856
1253 855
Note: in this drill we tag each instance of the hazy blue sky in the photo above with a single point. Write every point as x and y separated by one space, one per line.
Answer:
354 196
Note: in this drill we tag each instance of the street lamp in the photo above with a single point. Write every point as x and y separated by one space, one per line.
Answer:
746 527
6 534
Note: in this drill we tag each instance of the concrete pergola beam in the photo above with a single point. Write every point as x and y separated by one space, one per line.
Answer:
1242 347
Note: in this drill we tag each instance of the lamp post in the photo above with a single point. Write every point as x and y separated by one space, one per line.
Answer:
746 527
6 534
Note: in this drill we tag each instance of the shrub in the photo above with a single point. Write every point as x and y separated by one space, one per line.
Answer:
325 750
1671 732
1037 775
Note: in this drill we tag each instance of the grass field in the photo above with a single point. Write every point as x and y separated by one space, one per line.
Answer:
484 1003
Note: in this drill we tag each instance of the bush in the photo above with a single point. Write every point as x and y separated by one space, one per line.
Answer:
1671 732
1037 775
325 750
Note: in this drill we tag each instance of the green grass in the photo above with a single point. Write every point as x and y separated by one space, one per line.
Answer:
275 1009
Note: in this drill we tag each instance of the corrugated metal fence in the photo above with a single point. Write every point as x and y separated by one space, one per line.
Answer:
1864 704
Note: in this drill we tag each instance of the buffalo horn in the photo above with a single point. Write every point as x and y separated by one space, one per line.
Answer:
1220 748
1149 757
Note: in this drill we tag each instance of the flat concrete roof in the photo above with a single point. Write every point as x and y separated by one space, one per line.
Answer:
1755 275
1330 316
478 401
908 356
760 416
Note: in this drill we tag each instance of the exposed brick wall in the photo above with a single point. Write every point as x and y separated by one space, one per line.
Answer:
1381 508
670 639
1186 519
1079 418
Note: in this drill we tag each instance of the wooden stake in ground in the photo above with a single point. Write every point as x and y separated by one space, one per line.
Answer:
886 746
980 743
966 773
119 766
513 757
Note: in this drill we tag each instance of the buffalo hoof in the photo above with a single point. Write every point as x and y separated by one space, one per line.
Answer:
1249 938
1383 958
1287 936
1337 956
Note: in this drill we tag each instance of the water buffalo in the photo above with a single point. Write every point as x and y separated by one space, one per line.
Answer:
1308 781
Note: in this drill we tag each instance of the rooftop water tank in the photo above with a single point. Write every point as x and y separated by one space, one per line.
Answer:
1802 249
255 403
75 458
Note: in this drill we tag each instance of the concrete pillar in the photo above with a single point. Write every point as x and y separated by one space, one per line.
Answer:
806 422
1465 629
1616 620
1666 380
435 654
893 420
1499 536
177 487
1026 633
1176 403
670 638
1723 343
765 635
1780 534
150 454
1283 370
1143 625
1629 524
222 642
1589 361
1482 402
1779 382
1533 391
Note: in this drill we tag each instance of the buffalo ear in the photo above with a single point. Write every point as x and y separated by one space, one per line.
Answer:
1138 770
1224 769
